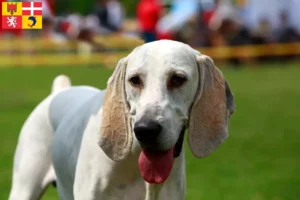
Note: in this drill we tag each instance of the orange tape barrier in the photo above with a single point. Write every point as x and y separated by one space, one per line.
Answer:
252 51
41 44
39 60
17 51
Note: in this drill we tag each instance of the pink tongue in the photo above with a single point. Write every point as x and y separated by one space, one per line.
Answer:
156 167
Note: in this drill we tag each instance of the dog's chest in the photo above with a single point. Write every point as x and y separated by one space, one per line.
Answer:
126 182
127 191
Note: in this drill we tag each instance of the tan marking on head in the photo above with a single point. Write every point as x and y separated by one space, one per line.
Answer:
115 133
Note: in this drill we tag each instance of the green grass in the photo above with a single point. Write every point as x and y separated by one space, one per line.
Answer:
259 161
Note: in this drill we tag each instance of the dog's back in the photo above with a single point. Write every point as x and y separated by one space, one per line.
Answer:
67 101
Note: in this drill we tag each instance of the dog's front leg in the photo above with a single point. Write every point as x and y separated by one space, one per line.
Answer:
93 168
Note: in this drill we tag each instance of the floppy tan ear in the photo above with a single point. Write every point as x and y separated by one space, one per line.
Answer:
213 105
115 132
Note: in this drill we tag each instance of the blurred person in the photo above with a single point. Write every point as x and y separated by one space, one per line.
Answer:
148 13
186 34
50 32
115 13
48 28
228 29
164 35
286 32
62 25
202 36
234 33
213 14
74 22
208 9
271 10
226 21
181 13
253 11
222 10
263 33
102 13
70 25
81 28
293 7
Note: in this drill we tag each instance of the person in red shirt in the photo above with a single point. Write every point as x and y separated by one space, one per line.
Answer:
148 14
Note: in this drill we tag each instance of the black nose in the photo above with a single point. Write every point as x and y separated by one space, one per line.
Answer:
146 131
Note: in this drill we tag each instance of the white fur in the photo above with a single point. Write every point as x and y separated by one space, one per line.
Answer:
60 82
97 176
32 163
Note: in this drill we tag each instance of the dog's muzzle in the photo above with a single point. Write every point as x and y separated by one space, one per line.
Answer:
147 132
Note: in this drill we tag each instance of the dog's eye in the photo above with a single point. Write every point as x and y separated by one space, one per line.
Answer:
135 81
176 81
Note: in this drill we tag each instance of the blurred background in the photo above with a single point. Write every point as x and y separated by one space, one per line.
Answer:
255 43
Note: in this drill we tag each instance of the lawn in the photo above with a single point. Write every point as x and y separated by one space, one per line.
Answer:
259 161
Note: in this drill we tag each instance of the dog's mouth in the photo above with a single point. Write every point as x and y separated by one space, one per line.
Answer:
155 167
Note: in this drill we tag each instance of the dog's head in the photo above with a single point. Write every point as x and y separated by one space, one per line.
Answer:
153 95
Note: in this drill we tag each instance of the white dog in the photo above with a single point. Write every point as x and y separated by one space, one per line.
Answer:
125 142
